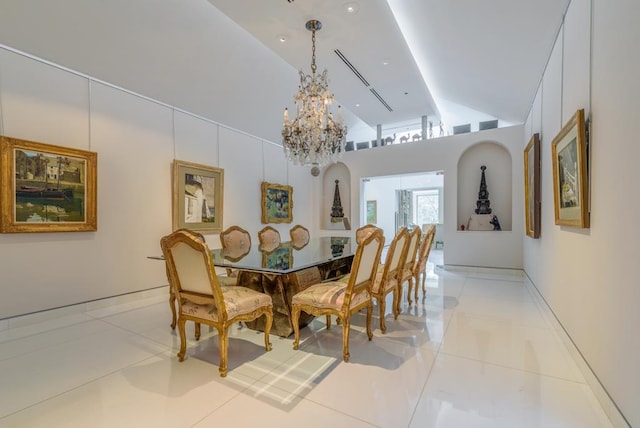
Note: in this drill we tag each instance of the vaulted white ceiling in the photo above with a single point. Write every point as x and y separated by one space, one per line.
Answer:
455 60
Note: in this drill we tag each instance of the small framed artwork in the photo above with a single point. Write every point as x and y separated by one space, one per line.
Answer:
197 197
46 188
532 187
277 203
570 190
372 212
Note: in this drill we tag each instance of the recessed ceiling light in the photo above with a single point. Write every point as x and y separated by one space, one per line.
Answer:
357 105
385 62
282 39
352 7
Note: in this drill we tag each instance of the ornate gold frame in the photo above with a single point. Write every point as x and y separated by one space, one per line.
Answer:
571 202
213 184
55 203
532 195
272 213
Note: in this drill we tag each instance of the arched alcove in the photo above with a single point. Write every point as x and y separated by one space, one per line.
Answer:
340 172
498 176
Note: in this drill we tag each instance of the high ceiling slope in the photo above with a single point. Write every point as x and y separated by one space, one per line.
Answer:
223 59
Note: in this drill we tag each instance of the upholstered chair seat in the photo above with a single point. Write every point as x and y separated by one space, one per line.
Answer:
201 297
342 299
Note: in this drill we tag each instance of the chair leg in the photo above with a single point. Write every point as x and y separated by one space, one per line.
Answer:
424 282
410 281
183 339
267 328
328 321
417 281
295 317
396 301
172 305
369 317
346 324
382 306
198 330
223 340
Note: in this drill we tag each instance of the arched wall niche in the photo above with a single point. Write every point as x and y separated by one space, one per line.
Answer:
338 171
498 175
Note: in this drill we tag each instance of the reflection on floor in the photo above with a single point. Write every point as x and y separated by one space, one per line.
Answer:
478 351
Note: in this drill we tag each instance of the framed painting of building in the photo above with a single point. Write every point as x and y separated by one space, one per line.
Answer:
197 197
277 203
570 190
532 187
46 188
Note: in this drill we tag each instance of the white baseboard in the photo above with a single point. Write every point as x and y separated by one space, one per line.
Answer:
608 405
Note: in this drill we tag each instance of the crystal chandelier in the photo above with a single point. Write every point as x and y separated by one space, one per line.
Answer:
313 137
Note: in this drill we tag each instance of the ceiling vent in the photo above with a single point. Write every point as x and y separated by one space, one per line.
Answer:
364 81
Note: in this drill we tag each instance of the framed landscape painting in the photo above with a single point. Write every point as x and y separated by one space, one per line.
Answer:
46 188
277 203
372 212
532 187
570 191
197 197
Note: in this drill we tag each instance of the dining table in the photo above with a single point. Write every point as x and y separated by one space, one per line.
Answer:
285 269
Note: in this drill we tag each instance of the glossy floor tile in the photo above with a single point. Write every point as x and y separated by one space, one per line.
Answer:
476 351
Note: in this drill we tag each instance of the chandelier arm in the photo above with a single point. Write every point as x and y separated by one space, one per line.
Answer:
314 137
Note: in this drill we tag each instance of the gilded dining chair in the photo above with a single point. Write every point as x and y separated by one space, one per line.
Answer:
269 238
386 280
237 242
299 236
409 261
343 299
203 300
172 294
365 231
420 265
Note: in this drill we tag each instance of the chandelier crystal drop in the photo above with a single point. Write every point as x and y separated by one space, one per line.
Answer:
314 136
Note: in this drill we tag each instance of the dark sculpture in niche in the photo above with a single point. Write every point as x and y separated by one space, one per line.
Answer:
337 213
482 205
496 224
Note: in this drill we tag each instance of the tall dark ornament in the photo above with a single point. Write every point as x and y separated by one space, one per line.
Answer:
482 205
337 213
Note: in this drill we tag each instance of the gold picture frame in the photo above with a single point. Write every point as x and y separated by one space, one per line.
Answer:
277 203
570 190
197 197
46 188
532 201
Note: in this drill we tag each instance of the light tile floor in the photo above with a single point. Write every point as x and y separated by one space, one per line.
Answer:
478 351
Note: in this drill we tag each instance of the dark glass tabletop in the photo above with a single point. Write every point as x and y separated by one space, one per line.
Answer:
286 257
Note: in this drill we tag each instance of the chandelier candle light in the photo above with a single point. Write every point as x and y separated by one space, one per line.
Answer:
313 137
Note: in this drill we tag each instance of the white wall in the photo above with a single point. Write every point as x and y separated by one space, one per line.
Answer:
136 140
488 249
383 191
588 276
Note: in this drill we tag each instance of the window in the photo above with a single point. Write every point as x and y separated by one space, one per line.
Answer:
427 206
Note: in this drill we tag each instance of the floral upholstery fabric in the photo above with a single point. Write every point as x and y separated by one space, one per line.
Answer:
328 295
238 300
390 284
